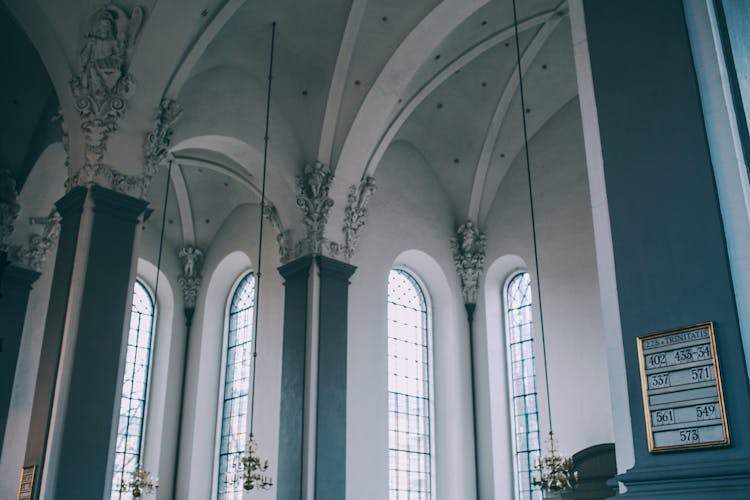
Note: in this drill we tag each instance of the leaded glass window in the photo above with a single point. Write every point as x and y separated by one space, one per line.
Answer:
236 397
134 388
523 385
409 406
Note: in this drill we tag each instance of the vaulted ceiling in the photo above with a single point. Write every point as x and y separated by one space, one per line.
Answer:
351 78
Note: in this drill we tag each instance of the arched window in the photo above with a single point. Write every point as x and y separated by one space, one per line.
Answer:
519 325
409 406
134 388
236 396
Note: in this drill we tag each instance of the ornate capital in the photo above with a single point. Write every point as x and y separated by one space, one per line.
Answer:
9 207
314 203
190 280
102 90
36 252
355 216
468 254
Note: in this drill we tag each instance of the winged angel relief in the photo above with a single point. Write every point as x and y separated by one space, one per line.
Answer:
104 83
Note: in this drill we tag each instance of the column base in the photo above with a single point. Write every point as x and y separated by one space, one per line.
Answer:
726 480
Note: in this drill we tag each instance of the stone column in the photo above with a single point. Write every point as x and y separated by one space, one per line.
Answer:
296 276
86 322
14 297
670 256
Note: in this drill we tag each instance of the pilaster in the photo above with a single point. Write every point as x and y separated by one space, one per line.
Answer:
14 299
296 276
670 255
86 321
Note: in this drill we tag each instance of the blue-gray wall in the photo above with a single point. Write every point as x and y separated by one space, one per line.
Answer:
670 254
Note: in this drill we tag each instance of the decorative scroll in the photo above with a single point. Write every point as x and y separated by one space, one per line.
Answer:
468 255
682 395
314 203
35 254
355 216
282 235
101 92
158 140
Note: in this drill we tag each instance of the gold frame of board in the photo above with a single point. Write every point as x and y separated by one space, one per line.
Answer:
26 483
644 390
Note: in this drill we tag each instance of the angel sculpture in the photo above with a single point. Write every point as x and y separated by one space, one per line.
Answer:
106 54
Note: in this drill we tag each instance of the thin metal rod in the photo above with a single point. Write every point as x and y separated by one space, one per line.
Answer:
260 229
531 206
161 234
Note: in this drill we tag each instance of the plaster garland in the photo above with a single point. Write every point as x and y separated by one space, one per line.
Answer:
101 92
355 215
9 207
35 254
191 278
469 247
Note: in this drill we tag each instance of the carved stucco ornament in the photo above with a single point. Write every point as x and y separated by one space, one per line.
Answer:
190 280
158 140
468 247
313 201
355 215
101 93
282 235
9 207
35 253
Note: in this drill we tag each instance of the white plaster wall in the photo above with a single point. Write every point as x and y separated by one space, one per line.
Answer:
410 224
576 352
232 253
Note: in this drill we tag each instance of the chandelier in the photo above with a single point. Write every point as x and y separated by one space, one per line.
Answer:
556 472
250 472
139 482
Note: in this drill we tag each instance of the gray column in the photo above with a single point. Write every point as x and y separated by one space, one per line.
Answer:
667 235
88 307
330 453
296 276
14 298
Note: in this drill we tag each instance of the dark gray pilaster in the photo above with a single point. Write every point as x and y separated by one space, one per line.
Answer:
14 297
92 398
330 454
667 235
70 208
296 276
3 265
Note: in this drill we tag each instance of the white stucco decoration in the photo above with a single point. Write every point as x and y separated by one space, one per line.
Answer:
101 92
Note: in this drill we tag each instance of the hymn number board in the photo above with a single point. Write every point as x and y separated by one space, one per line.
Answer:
681 384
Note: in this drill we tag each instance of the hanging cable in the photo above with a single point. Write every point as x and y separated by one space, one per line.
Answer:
161 234
260 228
531 205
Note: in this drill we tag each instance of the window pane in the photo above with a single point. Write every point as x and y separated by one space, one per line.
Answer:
409 408
523 384
134 389
236 389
